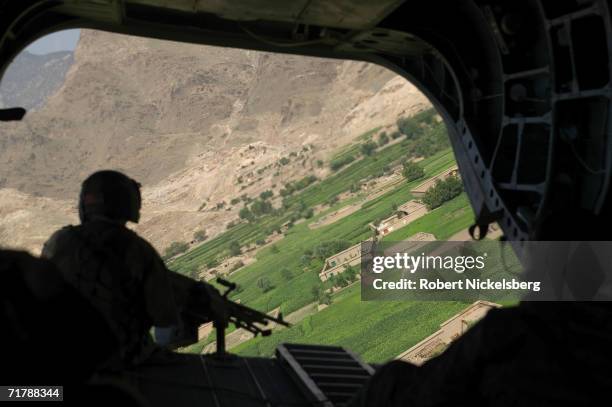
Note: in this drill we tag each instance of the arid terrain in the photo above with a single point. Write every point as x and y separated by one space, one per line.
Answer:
197 126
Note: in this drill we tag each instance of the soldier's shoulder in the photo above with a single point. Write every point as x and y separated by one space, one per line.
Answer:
65 231
51 245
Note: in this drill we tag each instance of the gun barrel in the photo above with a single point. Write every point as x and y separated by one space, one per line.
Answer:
251 315
207 304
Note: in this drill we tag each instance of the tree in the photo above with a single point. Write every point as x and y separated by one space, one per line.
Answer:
383 139
396 135
259 207
286 273
316 291
175 248
308 213
332 200
234 248
338 163
305 260
340 280
442 191
412 171
325 298
264 284
246 214
266 194
351 273
327 248
410 127
368 148
200 235
320 295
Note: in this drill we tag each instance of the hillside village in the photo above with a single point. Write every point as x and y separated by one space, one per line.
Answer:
307 267
200 127
274 188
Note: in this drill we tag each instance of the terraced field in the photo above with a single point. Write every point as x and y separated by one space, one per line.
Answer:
295 293
378 330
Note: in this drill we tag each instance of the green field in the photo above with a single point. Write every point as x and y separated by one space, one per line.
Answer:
295 293
378 331
443 222
318 193
452 217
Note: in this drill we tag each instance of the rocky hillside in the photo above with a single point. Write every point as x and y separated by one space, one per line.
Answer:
198 126
31 79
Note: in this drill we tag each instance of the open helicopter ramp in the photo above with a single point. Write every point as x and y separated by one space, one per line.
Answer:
299 375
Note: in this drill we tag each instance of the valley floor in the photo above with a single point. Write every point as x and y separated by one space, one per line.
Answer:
377 330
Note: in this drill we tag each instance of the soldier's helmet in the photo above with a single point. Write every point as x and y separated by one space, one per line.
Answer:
110 194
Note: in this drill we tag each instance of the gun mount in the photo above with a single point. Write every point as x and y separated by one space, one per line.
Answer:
202 303
242 317
298 375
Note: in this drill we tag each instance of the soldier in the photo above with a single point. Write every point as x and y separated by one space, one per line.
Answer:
118 271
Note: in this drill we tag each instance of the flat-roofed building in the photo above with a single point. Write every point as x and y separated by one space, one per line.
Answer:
413 243
406 213
339 262
351 257
449 331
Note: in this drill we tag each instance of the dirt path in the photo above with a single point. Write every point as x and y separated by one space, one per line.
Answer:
335 216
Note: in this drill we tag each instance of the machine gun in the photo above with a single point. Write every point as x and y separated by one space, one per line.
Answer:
240 315
201 303
298 375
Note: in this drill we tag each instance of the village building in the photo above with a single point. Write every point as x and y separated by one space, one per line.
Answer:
420 190
339 262
449 331
405 214
412 244
422 237
351 257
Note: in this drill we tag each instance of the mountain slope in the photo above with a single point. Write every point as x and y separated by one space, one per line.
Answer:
31 79
196 125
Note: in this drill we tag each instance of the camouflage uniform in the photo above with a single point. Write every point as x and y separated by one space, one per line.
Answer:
122 275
